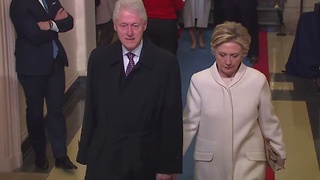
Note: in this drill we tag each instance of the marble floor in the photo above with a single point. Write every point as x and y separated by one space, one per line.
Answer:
296 103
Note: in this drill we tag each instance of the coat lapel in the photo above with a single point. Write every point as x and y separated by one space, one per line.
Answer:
242 69
215 74
116 65
145 63
53 7
38 6
146 56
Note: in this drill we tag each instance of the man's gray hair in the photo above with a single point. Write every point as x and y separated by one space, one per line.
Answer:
134 5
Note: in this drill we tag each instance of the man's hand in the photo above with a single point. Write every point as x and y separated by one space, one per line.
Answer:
166 176
61 14
44 25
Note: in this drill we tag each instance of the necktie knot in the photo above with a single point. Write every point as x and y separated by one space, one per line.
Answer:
131 63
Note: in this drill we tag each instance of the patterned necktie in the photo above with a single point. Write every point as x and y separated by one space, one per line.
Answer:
130 56
54 44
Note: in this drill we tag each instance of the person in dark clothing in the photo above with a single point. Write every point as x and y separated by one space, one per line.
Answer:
40 63
104 24
244 12
162 26
132 125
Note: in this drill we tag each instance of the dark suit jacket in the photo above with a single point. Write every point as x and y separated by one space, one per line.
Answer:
133 122
34 51
304 56
244 4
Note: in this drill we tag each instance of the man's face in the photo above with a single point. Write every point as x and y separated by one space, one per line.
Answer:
130 28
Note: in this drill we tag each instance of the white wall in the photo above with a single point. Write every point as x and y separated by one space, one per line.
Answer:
10 144
80 41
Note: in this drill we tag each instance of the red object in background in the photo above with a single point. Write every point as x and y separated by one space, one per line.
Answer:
263 66
269 174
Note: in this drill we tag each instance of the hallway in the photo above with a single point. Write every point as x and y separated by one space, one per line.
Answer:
296 103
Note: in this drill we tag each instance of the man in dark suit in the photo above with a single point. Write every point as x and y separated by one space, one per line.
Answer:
244 12
132 126
40 61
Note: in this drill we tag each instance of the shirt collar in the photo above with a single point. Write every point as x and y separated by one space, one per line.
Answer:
136 51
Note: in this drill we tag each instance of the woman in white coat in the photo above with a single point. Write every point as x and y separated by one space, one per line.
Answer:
196 15
229 107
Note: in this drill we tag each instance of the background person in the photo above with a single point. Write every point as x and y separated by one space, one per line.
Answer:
196 17
244 12
162 26
40 62
104 24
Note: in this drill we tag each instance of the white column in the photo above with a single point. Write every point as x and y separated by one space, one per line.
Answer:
80 41
86 34
10 139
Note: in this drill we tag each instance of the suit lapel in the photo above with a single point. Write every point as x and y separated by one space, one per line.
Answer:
146 56
146 61
115 63
39 6
53 6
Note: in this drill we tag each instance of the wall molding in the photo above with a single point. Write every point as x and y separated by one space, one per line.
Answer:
10 139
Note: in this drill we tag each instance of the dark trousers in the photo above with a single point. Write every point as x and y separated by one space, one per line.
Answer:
104 33
247 15
51 88
164 33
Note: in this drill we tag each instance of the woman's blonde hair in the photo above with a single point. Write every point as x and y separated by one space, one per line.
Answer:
230 32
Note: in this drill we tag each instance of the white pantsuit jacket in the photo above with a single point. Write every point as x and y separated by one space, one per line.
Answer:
231 122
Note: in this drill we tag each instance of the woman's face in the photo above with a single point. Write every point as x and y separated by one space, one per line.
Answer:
228 58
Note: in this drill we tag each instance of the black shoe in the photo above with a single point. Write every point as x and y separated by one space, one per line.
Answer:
42 162
65 163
